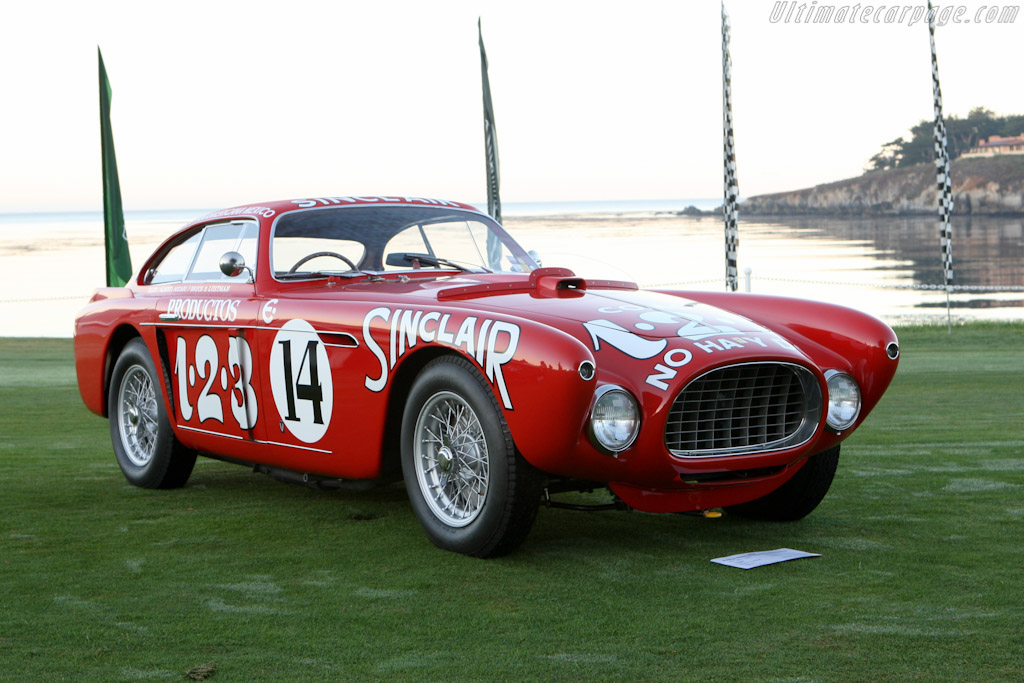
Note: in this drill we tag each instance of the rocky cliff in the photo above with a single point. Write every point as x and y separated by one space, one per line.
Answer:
981 186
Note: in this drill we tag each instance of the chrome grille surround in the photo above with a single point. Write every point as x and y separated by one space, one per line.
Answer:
744 409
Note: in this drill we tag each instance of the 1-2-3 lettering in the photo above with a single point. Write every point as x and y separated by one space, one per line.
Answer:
235 378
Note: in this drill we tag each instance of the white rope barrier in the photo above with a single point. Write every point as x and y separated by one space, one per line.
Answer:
838 283
685 283
84 299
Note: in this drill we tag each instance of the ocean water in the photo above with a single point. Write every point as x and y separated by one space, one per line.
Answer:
50 263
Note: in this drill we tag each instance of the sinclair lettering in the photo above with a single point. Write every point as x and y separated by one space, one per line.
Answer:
491 343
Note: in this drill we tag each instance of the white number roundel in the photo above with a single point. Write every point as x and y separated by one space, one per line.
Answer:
300 378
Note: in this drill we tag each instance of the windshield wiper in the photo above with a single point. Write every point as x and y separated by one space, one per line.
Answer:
410 259
309 274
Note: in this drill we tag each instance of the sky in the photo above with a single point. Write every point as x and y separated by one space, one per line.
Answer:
223 103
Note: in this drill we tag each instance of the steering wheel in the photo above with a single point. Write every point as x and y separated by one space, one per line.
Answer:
314 255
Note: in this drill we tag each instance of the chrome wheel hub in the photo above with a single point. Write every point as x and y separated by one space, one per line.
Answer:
445 459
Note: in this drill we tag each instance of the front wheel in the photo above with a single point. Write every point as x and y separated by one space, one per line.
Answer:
798 497
146 450
470 489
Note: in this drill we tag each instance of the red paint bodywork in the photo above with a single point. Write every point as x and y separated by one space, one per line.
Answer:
547 403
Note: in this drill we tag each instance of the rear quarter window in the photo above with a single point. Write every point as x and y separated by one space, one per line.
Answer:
175 263
217 241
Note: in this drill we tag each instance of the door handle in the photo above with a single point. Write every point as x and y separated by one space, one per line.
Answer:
169 317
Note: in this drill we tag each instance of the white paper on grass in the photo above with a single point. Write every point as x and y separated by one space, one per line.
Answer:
759 559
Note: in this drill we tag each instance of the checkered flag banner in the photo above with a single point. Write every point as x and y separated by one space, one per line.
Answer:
729 210
945 185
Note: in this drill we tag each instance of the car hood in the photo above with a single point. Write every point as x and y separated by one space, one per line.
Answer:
638 323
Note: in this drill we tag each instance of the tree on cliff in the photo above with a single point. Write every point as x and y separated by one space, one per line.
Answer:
962 134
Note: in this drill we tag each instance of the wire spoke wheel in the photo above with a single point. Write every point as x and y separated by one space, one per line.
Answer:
472 492
147 452
451 459
137 413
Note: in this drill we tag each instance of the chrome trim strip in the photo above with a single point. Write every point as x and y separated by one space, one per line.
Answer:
240 438
207 431
289 445
204 324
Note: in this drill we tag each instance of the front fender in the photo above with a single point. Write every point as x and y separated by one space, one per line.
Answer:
548 400
532 369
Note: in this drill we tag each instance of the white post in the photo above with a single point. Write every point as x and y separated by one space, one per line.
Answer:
746 278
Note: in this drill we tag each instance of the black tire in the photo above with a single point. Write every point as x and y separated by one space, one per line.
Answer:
798 497
470 489
146 450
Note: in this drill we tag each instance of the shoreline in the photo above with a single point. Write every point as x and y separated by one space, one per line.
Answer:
984 187
852 214
872 264
902 323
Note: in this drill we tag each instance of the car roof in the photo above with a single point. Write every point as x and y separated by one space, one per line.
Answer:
276 208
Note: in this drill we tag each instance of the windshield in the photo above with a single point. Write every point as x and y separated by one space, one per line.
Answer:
359 239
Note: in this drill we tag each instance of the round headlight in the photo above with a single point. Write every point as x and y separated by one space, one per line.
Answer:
843 400
614 420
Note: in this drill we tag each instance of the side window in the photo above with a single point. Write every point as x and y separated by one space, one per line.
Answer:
468 243
409 241
175 263
216 241
246 247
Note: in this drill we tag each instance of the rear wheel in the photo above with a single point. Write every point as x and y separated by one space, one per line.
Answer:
470 489
798 497
146 450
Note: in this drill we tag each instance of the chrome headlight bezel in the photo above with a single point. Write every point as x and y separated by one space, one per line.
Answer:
842 388
604 398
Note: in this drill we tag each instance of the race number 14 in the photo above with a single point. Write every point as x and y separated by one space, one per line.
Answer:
300 379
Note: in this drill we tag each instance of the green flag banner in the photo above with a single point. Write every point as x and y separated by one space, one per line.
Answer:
119 261
491 153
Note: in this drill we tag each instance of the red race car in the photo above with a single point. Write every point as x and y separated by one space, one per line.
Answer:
344 342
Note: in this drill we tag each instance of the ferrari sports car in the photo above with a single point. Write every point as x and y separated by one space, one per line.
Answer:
346 342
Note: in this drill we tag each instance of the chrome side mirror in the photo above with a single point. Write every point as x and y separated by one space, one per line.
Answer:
535 256
232 264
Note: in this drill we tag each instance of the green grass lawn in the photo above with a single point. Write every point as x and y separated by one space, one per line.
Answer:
921 574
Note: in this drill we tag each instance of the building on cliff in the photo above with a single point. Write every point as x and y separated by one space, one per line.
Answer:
997 144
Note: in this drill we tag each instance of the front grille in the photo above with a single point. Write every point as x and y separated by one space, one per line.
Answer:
747 408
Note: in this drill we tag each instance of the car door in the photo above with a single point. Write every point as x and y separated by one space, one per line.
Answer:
207 322
314 413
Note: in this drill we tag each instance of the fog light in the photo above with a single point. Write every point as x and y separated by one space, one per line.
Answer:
843 400
587 370
614 419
